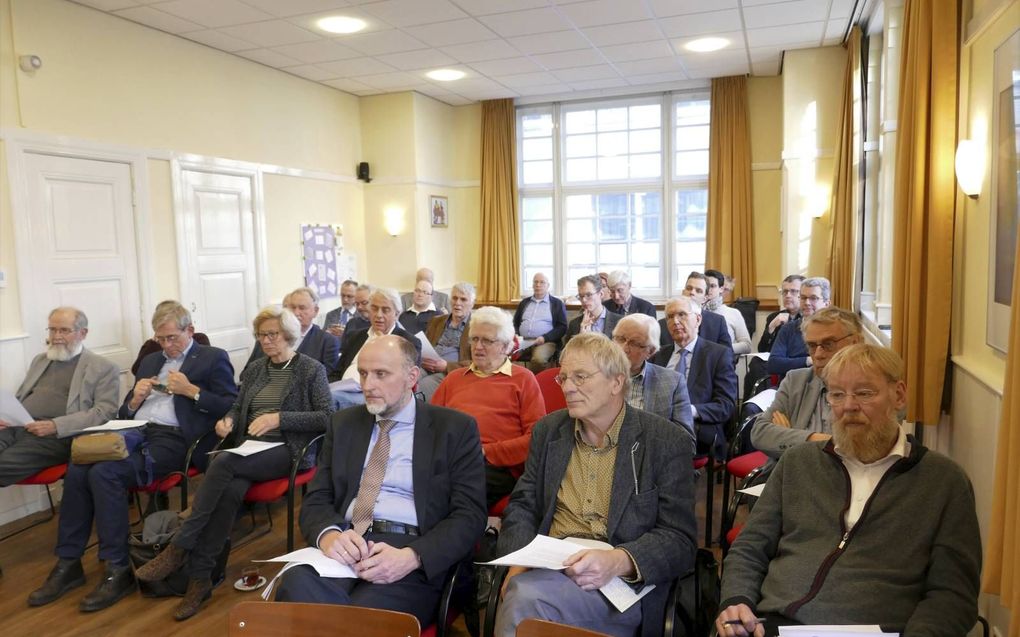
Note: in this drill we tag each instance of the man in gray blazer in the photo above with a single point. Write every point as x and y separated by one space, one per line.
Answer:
800 413
601 470
655 389
66 389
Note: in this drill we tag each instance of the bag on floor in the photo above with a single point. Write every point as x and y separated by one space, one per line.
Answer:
158 532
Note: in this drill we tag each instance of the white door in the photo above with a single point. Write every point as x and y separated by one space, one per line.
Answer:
217 246
82 251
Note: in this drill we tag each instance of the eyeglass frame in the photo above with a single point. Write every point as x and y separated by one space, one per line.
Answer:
829 345
577 379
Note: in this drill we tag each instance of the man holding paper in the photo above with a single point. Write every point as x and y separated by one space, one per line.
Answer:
600 470
66 389
448 334
399 495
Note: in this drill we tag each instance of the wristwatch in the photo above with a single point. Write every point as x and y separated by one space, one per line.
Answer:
197 394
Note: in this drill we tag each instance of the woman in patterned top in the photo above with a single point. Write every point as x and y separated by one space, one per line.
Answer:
285 399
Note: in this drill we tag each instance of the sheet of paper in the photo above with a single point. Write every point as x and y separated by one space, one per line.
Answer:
830 631
754 491
249 448
324 566
427 351
763 399
762 355
12 411
347 384
117 425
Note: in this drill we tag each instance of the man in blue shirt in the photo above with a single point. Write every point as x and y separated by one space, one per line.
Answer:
540 322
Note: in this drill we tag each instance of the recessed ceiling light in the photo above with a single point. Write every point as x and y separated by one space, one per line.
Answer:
445 75
340 24
705 45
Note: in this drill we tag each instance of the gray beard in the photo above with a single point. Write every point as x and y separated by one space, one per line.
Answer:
868 445
62 353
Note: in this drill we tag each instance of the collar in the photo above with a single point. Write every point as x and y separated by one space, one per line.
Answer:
304 333
431 308
612 436
183 355
372 332
462 324
506 369
900 449
544 299
690 346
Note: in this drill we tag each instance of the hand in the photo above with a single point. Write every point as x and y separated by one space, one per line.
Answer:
778 322
779 418
739 612
539 341
818 436
592 569
4 424
433 365
224 426
810 363
141 391
264 423
346 547
178 383
513 571
386 564
42 428
335 330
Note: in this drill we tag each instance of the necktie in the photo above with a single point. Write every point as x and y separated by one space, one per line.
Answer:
371 479
344 317
681 367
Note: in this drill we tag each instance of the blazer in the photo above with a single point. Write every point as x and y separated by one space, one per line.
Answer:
574 328
441 300
666 396
559 318
767 337
356 324
655 525
317 343
434 332
92 398
208 368
713 328
448 480
711 380
788 349
304 411
637 306
415 323
150 346
353 345
797 399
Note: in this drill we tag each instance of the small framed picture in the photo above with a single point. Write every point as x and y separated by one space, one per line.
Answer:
439 211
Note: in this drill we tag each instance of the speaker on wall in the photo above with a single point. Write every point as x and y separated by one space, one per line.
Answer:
363 172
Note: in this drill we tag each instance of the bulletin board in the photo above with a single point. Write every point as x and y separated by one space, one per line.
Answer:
322 250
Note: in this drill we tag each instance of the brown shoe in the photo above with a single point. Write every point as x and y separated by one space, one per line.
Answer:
166 563
198 591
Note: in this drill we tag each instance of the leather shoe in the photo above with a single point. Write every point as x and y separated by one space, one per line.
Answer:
117 582
67 574
163 565
198 591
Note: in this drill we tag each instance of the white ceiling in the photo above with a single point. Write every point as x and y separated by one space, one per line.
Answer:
508 48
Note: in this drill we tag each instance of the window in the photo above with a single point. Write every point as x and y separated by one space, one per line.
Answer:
614 185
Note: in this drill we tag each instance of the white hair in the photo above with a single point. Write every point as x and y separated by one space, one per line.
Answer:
496 317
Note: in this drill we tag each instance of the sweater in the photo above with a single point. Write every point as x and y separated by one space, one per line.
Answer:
506 408
911 563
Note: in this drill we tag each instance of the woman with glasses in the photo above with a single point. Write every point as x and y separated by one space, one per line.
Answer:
284 399
504 398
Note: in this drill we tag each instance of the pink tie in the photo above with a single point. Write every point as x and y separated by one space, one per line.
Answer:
371 479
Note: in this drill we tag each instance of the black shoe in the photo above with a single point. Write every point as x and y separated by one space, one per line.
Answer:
117 582
67 574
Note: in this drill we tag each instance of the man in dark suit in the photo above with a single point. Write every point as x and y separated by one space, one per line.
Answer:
594 316
399 495
622 301
600 469
708 368
540 321
336 320
713 326
180 392
314 342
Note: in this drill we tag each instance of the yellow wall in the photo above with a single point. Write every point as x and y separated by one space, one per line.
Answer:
765 98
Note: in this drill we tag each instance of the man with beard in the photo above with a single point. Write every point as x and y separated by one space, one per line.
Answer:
867 528
66 389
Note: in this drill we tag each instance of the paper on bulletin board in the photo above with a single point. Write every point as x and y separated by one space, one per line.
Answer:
322 249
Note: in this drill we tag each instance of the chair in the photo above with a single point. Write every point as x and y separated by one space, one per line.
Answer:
496 510
551 392
739 465
171 480
541 628
45 477
269 619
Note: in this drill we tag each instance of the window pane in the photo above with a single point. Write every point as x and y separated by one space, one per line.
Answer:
692 162
537 172
645 141
612 119
690 112
581 230
645 227
538 254
536 208
645 116
612 144
645 166
573 274
536 125
692 137
581 254
647 253
580 206
580 145
540 148
646 277
613 229
613 167
581 170
690 232
536 231
613 204
612 255
579 122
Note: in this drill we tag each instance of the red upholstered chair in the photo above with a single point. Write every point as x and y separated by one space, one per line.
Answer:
46 477
172 479
551 392
738 467
496 510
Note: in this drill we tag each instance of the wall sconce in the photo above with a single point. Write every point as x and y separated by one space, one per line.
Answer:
393 221
970 167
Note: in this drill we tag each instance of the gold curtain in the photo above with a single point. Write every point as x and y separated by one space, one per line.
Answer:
841 267
730 222
499 279
924 203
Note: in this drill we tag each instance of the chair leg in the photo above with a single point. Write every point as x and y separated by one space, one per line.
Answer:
184 492
727 479
290 520
709 497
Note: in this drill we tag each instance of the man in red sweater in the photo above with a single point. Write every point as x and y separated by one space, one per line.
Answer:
504 398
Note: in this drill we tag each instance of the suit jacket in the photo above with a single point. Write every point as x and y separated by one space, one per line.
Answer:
711 380
767 337
415 323
333 316
317 343
559 318
353 345
448 479
797 399
656 525
354 325
788 350
713 328
435 331
637 306
666 396
92 398
208 368
574 328
441 300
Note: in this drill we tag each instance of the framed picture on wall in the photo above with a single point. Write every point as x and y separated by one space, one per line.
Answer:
439 211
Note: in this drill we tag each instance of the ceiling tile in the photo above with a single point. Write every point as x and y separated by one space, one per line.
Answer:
456 100
771 15
392 80
544 89
485 7
318 51
570 59
481 51
762 53
220 41
309 22
159 20
599 12
665 8
526 79
736 39
549 42
642 67
525 22
355 67
476 84
644 31
507 66
637 51
715 58
784 35
494 94
720 70
268 34
657 78
221 13
841 9
406 13
832 41
586 73
297 7
268 57
411 60
382 42
452 32
345 84
433 90
835 29
701 23
590 85
108 5
310 72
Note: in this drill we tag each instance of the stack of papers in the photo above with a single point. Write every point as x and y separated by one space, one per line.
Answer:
311 556
830 631
12 411
754 491
117 425
249 448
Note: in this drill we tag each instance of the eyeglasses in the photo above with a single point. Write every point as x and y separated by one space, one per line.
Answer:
425 292
487 342
790 291
269 336
587 295
678 316
829 345
62 331
862 396
622 342
167 340
578 379
814 298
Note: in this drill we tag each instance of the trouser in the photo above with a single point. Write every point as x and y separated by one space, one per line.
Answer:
100 492
499 482
217 500
23 454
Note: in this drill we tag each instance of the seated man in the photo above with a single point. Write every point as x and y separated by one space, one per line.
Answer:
504 398
788 350
441 299
713 327
888 536
540 321
448 334
336 320
362 320
707 368
653 388
622 301
66 389
789 307
735 324
800 413
594 316
181 392
314 342
570 488
421 310
414 511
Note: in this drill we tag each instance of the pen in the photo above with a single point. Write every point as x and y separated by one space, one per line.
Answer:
633 466
734 622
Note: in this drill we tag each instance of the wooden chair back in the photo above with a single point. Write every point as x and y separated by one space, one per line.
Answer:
540 628
272 619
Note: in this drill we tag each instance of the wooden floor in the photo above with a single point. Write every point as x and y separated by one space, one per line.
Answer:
27 558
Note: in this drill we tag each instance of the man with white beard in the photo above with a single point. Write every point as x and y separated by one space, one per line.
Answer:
66 389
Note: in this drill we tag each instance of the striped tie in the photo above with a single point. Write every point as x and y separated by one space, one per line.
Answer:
681 367
371 479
